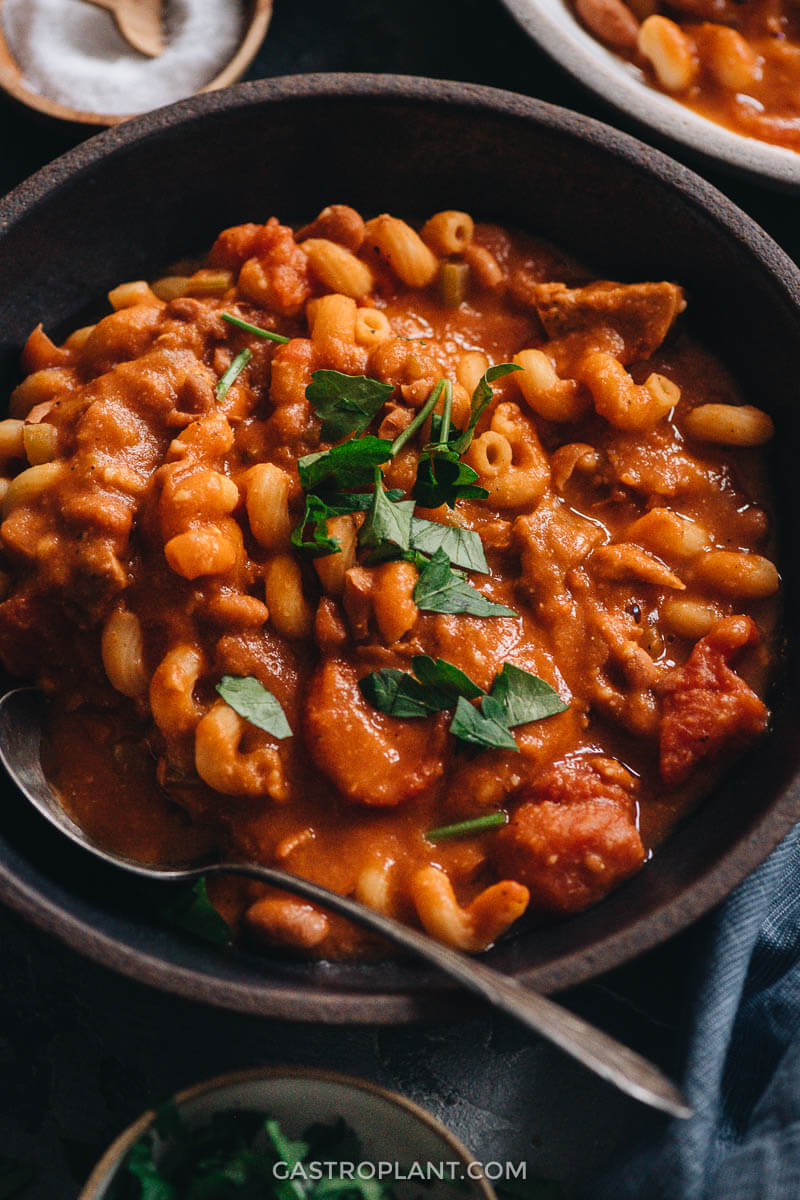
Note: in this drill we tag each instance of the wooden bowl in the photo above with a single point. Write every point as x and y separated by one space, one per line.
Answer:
126 202
391 1128
13 81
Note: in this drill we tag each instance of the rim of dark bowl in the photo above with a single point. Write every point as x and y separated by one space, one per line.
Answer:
430 999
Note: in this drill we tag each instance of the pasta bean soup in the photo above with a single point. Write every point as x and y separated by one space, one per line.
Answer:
736 62
421 564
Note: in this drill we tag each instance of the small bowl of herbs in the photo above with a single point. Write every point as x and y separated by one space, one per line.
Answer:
287 1134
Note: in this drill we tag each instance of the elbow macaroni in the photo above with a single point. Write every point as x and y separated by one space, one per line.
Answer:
626 524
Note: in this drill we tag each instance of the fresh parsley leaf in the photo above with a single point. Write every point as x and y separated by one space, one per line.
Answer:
14 1177
349 465
387 528
438 685
488 821
267 334
346 403
419 419
291 1153
399 694
481 398
445 678
350 502
311 534
251 700
441 589
463 547
140 1164
438 429
192 911
442 478
525 697
482 727
233 372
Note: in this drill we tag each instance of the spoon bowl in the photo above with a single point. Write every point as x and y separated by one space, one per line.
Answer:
22 712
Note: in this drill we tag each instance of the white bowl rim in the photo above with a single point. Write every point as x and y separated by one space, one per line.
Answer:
613 80
94 1188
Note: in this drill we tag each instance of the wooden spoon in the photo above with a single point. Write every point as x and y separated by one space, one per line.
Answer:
139 22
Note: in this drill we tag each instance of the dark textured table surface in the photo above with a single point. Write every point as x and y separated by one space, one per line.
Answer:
83 1051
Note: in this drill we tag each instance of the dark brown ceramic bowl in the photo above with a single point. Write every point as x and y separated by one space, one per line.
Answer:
140 195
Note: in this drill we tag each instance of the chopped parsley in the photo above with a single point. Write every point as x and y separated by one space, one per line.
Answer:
311 535
232 374
470 828
441 589
387 528
481 398
463 547
232 319
346 403
251 700
437 686
244 1153
349 465
482 727
191 911
517 697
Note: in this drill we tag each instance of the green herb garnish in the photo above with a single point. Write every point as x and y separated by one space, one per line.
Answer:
346 403
192 911
525 697
441 476
251 700
441 589
349 465
463 547
399 694
481 398
517 697
243 1153
232 373
419 420
446 679
469 828
387 528
311 535
255 329
482 727
437 686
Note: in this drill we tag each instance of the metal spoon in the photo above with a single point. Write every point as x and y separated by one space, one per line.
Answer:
21 713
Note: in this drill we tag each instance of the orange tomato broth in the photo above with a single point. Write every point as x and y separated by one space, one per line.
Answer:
134 406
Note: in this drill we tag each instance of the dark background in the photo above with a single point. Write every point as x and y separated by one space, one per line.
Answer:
83 1051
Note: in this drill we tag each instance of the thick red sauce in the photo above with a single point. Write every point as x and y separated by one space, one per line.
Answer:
629 530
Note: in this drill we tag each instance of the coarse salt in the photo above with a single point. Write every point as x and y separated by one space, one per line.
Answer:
72 52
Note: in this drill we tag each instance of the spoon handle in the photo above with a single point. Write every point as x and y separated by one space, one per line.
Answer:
139 22
619 1065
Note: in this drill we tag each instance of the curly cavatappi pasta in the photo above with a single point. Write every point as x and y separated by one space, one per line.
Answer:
414 562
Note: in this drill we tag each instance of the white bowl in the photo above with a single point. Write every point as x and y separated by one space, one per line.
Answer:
391 1128
553 25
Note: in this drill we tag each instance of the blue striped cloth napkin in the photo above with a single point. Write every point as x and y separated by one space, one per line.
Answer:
742 1073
